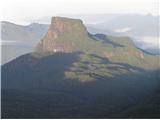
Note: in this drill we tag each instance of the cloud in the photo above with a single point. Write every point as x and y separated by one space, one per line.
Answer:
149 42
123 30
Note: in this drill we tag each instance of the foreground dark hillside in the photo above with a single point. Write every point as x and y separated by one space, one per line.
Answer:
149 108
63 105
35 87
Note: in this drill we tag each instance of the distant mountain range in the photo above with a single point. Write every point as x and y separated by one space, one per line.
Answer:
72 73
143 29
18 40
14 32
133 25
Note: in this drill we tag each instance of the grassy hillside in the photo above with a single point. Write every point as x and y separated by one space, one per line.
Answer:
72 85
116 49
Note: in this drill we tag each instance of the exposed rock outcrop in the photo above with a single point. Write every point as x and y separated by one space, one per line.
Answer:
60 35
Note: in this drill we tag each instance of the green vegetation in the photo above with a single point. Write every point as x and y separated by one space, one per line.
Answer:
116 49
88 67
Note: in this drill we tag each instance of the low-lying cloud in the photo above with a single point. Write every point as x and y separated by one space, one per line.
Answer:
122 30
149 42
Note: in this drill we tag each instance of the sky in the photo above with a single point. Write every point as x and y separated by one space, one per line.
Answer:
20 11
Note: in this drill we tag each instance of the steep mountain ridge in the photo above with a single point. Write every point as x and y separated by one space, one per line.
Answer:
70 35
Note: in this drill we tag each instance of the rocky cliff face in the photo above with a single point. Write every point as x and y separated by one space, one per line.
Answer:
60 35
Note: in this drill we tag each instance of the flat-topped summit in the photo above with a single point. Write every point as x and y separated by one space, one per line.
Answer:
61 24
61 33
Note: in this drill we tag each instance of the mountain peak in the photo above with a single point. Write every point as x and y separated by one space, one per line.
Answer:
62 24
58 18
60 35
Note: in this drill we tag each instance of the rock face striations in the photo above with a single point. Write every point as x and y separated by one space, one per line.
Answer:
61 35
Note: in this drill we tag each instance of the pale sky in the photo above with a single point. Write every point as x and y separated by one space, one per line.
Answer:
18 11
